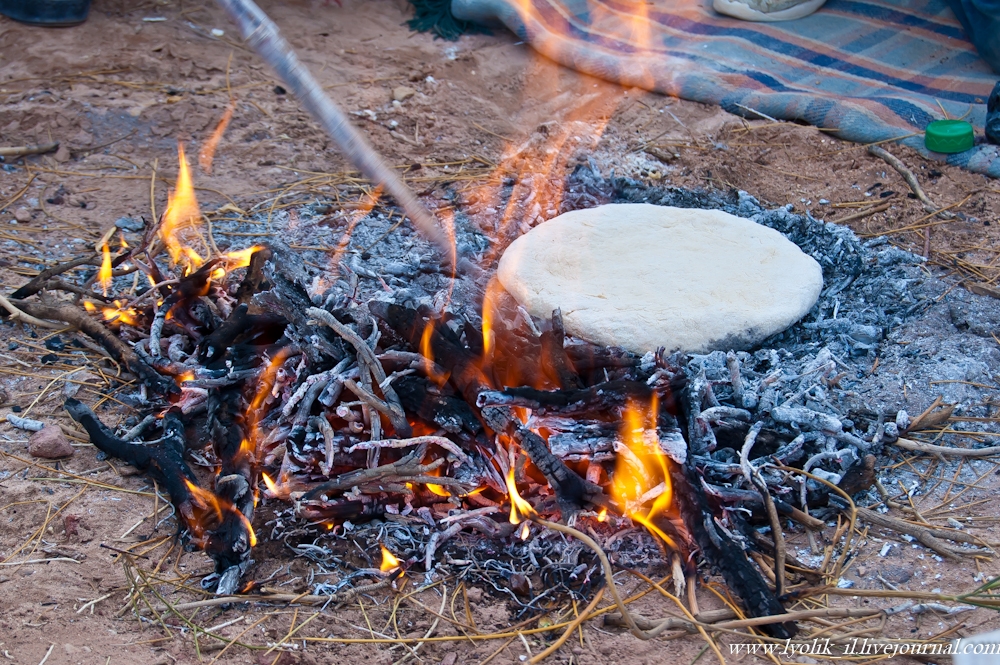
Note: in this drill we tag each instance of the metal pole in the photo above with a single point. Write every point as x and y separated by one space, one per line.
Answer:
262 34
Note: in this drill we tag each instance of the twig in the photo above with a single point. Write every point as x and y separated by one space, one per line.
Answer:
118 349
909 177
555 646
679 623
288 598
17 314
928 537
753 477
918 446
24 150
47 654
862 213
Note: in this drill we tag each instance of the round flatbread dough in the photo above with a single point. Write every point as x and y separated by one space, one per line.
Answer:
642 276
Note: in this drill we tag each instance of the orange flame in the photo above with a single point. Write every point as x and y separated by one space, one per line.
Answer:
205 499
603 515
210 506
427 352
104 274
182 214
641 471
389 561
207 153
116 313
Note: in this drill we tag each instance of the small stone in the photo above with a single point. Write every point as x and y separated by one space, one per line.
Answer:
475 594
450 658
49 443
81 138
641 276
134 224
23 215
402 93
62 153
519 584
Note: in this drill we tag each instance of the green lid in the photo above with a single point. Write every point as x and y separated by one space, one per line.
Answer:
949 136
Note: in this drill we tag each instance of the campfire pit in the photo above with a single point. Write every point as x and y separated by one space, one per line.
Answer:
467 414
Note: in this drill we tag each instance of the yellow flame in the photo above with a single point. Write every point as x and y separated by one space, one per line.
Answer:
640 468
520 510
389 562
104 274
121 240
89 306
239 258
271 486
438 489
182 213
603 515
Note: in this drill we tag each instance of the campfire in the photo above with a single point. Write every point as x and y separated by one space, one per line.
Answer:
256 391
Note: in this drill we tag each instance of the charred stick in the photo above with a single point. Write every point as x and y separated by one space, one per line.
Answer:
753 477
164 461
599 398
722 553
733 365
570 489
555 363
395 415
115 347
404 466
367 357
255 280
37 283
587 357
329 440
440 441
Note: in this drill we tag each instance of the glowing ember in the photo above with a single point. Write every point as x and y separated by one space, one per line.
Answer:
104 274
603 515
182 214
389 562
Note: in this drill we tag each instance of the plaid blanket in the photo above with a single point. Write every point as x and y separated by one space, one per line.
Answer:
872 70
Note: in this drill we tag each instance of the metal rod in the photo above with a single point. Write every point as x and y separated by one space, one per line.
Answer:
262 35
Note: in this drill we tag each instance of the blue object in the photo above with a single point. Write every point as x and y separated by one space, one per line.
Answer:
52 13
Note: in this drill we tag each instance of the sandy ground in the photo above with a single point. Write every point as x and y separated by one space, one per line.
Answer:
120 91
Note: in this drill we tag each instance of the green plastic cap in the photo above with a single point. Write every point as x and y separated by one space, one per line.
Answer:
949 136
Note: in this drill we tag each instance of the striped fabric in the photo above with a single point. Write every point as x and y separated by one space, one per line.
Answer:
872 70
